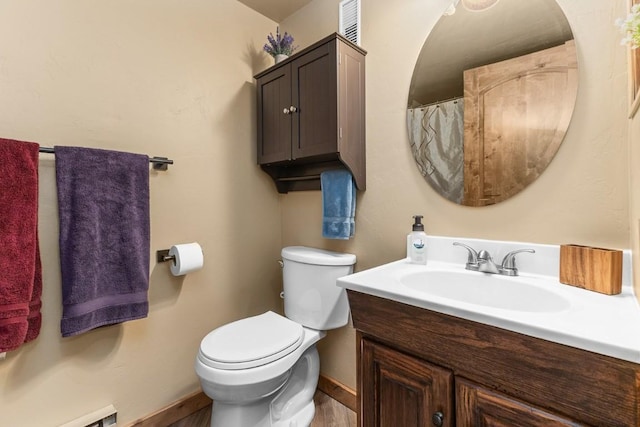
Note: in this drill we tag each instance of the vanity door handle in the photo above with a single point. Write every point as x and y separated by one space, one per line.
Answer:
437 419
286 111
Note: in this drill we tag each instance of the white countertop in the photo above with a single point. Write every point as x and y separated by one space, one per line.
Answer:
605 324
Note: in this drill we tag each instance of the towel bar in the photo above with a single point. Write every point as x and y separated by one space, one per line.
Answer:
159 163
299 178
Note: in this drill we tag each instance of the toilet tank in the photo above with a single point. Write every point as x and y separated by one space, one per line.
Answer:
311 296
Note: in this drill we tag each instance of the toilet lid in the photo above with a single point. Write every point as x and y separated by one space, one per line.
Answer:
251 342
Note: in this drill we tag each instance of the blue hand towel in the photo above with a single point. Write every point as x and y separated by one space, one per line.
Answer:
338 204
103 204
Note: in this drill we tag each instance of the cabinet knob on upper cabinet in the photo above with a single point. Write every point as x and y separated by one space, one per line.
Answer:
437 419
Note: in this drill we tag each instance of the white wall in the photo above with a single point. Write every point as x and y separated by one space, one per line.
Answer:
581 198
162 78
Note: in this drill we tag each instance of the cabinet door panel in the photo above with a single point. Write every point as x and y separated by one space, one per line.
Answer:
315 97
274 126
479 407
400 390
516 113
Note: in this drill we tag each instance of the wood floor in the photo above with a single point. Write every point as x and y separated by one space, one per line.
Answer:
329 413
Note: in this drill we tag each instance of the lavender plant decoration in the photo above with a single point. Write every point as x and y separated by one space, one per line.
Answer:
279 45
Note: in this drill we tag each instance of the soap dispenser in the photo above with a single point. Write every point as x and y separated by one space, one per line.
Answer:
417 242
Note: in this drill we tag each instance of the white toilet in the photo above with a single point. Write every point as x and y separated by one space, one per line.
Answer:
262 371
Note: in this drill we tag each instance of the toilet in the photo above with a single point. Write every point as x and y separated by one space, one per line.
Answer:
262 371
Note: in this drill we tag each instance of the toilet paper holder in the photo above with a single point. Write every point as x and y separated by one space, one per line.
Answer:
163 256
185 258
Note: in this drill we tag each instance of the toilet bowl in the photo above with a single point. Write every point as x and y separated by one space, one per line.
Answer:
262 371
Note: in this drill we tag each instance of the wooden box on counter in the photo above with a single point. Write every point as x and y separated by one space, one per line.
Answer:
594 269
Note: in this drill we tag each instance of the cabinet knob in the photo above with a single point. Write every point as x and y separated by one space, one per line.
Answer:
286 111
437 419
293 109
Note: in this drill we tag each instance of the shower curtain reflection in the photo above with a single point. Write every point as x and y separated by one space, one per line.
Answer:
437 137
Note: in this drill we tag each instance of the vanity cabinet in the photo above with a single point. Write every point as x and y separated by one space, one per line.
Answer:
311 115
402 390
426 368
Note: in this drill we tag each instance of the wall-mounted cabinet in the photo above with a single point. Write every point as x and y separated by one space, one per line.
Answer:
311 115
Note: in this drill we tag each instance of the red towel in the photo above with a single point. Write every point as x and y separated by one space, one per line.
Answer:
20 270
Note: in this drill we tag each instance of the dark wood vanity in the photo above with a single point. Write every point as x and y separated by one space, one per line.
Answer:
417 367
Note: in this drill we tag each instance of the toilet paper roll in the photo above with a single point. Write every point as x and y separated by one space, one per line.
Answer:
188 258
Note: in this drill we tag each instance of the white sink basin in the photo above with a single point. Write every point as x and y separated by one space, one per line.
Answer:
489 290
534 303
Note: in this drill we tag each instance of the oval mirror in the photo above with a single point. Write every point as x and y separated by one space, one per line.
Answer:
491 97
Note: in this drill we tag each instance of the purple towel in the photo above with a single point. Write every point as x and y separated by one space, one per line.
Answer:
103 204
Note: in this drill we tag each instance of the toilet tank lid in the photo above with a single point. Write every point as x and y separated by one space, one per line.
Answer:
317 256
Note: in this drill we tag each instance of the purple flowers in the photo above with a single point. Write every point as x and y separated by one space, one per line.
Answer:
280 45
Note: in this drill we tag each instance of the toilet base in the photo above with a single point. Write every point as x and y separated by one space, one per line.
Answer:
292 406
255 416
301 419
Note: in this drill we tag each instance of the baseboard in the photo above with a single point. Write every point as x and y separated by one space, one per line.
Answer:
338 392
174 411
198 400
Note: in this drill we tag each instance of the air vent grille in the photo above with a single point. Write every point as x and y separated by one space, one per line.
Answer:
350 20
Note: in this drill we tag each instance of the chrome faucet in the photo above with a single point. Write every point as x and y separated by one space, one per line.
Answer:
483 262
486 264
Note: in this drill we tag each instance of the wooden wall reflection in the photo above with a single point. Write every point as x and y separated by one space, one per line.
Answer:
516 115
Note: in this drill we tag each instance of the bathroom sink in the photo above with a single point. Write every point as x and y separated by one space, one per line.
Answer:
534 303
488 290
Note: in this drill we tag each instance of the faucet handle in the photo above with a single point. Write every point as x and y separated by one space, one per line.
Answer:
472 259
508 267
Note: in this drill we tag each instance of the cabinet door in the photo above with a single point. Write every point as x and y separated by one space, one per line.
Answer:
477 407
516 113
401 390
274 118
314 91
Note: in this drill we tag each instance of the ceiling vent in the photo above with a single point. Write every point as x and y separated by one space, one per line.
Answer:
350 20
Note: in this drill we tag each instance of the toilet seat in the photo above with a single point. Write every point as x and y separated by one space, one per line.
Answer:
251 342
